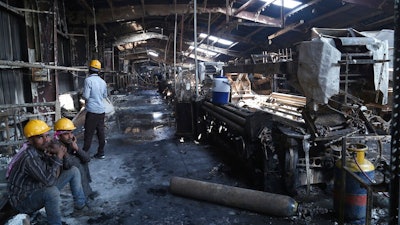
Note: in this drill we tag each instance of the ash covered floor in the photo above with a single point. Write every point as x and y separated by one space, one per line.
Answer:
143 154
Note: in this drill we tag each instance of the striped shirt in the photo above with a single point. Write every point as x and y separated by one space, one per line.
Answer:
32 171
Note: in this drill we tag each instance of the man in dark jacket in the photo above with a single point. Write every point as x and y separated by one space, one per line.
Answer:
74 157
35 177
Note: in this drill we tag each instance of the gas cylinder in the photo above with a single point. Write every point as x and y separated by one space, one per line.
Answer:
355 197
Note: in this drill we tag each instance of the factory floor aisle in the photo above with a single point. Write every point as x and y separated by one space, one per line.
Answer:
143 154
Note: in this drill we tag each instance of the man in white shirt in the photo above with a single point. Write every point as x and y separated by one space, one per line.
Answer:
94 91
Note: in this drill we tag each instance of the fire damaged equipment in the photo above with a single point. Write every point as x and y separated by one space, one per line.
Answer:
237 129
295 139
283 143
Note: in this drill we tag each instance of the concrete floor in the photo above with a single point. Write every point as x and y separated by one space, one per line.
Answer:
143 154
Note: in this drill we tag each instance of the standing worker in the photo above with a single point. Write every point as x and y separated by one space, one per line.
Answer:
74 156
35 177
94 92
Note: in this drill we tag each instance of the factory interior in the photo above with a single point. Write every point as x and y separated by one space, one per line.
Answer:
219 112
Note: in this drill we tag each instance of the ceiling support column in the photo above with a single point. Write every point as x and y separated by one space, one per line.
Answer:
394 188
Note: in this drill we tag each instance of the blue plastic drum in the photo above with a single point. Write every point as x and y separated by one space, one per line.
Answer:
221 90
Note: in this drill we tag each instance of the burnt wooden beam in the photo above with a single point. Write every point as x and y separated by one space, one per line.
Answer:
332 13
217 49
285 30
384 5
301 7
245 6
134 12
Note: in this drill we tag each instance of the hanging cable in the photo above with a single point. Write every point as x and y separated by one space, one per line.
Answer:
95 28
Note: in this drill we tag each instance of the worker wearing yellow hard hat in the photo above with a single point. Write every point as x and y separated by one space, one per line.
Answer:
94 93
64 128
95 65
35 127
35 175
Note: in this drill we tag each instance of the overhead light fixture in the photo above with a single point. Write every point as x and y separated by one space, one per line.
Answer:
153 53
216 39
290 4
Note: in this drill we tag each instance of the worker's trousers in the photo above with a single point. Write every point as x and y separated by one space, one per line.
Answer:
94 123
49 197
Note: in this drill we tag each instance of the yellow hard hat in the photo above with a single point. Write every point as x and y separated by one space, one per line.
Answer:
35 127
95 64
64 124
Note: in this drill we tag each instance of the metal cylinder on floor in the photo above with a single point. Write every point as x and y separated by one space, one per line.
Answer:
257 201
355 197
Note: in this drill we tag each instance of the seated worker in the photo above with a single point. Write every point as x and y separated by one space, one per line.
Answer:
74 157
35 177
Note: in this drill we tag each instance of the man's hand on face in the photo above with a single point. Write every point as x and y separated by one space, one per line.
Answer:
56 148
74 145
68 138
61 151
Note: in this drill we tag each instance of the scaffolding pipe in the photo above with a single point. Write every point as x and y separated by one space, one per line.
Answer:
394 187
175 35
17 64
195 47
36 104
55 49
20 10
257 201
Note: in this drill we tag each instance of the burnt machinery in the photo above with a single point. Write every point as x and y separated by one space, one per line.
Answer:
237 129
297 137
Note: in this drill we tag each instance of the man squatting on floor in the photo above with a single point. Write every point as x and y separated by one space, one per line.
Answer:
35 175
